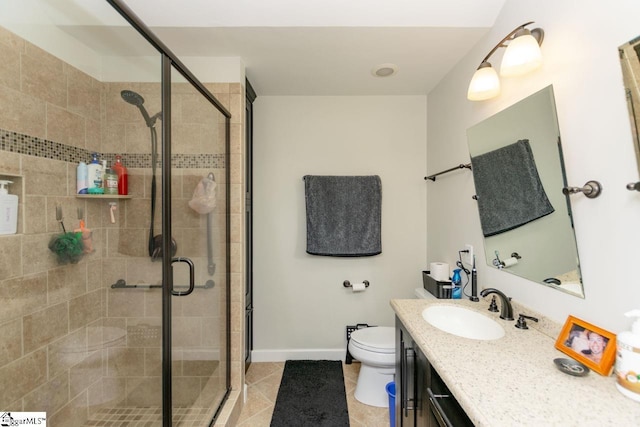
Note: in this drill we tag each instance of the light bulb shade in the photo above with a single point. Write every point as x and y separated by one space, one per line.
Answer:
484 84
522 56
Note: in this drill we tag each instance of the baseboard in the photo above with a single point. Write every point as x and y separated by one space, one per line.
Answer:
298 354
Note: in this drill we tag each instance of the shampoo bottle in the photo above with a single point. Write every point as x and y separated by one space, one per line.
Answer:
8 209
94 176
123 178
628 359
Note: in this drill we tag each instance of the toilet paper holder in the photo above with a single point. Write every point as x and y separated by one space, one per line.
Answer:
498 263
347 284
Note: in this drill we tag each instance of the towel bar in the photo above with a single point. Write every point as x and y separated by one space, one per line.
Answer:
347 284
633 186
460 166
591 189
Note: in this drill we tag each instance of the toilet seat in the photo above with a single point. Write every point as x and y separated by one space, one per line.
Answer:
378 339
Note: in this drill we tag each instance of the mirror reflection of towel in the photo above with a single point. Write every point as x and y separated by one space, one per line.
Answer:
510 193
343 215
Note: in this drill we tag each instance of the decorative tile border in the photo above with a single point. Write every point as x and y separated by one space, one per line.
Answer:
32 146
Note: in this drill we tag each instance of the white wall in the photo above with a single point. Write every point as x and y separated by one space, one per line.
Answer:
581 61
301 307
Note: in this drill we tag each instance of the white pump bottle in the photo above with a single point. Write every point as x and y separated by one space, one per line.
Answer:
8 209
628 359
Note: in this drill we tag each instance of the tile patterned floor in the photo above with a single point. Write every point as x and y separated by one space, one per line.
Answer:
263 380
148 417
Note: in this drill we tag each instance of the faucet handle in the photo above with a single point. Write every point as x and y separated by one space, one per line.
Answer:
521 323
493 306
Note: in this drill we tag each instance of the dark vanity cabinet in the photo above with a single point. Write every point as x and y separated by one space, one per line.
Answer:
422 398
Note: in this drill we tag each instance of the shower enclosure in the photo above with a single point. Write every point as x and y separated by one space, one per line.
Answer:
137 332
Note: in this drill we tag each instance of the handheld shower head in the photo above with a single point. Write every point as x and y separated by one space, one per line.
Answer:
136 99
132 97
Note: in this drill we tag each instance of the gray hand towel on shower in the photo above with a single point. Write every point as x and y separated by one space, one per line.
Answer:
509 190
343 215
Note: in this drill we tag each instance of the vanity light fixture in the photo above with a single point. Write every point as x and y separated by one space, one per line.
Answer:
521 56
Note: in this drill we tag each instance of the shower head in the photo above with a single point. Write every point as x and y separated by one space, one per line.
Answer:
136 99
132 97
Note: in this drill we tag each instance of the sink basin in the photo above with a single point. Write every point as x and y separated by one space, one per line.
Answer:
462 322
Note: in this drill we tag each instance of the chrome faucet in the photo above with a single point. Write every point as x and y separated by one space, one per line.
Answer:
506 311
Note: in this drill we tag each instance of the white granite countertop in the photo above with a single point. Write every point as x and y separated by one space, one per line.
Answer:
513 381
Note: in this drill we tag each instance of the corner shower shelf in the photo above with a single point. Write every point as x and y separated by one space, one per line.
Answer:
103 196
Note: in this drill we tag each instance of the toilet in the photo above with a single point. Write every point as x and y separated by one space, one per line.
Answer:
375 348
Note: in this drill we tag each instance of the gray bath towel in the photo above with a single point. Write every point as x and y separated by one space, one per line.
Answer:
343 215
508 187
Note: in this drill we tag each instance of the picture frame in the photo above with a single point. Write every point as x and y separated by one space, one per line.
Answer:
589 344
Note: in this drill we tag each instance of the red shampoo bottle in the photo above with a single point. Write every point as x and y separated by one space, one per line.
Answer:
123 178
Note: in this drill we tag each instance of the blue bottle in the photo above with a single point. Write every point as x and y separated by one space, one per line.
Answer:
456 282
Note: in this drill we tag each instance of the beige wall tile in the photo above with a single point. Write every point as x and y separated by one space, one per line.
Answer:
113 389
9 67
138 212
45 326
45 177
11 40
217 88
124 302
10 163
10 261
43 76
22 295
24 375
125 362
73 414
114 137
65 127
94 277
187 332
85 373
153 362
186 138
236 138
67 282
35 214
85 309
49 397
36 256
11 344
236 107
93 138
236 88
83 94
22 113
68 351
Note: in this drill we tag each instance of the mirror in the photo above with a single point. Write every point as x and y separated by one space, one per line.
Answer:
518 171
630 62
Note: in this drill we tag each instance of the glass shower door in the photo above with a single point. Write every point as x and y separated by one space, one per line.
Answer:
198 226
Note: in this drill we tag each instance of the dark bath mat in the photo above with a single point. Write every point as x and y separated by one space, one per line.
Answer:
311 394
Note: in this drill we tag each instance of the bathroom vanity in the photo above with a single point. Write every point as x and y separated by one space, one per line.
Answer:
510 381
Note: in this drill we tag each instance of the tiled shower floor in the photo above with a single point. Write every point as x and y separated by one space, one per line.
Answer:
147 417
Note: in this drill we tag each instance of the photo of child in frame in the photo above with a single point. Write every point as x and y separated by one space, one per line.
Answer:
586 342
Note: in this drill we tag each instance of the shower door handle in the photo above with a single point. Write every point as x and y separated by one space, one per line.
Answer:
192 280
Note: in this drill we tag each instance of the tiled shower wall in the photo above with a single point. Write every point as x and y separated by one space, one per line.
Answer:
62 352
